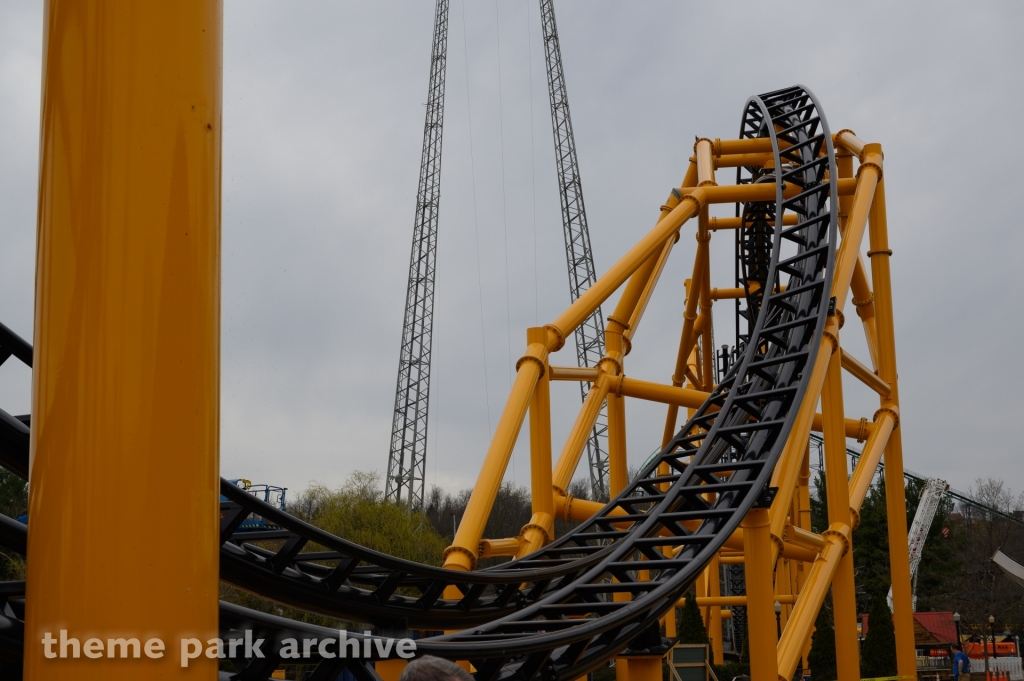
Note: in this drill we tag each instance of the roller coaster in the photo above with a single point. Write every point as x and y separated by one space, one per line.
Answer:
125 383
729 487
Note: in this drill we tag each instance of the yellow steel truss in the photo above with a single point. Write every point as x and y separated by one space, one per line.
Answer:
786 563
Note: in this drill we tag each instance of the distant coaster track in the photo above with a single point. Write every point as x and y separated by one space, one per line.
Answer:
555 613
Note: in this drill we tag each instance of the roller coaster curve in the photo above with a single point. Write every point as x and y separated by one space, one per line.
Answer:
553 613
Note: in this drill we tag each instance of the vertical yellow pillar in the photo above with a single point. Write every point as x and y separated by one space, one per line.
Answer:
700 590
125 420
618 477
863 301
540 529
618 466
783 588
804 522
714 571
844 599
895 496
540 440
621 668
761 633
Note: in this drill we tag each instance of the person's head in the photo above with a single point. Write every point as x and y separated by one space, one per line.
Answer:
958 647
430 668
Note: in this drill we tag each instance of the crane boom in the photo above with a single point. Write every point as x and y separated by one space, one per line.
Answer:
589 335
408 455
918 534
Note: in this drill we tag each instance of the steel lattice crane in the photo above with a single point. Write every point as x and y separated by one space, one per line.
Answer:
580 258
918 534
407 459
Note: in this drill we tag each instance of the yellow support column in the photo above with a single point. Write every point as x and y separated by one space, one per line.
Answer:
895 496
462 554
126 381
862 298
700 590
844 599
626 669
804 523
540 529
611 364
622 667
618 467
757 550
714 572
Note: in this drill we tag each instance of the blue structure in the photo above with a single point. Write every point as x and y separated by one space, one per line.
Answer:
270 494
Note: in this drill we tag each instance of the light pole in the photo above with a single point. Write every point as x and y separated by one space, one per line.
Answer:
992 627
778 620
956 621
984 650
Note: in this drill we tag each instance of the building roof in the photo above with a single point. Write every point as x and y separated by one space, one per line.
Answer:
930 628
939 624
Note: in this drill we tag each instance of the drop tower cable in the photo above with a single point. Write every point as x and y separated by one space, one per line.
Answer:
407 456
504 210
476 223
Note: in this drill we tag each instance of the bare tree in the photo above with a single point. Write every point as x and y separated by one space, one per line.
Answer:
980 589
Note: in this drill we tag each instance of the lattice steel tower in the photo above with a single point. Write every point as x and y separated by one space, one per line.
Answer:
407 460
590 334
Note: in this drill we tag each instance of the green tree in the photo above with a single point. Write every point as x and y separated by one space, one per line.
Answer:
691 623
359 513
879 654
822 658
13 494
819 504
871 548
939 559
512 509
13 503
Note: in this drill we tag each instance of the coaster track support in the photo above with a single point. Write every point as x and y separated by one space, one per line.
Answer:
730 487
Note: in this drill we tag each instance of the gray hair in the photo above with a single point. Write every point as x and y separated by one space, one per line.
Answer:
430 668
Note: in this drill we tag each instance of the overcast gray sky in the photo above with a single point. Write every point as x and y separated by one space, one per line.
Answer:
323 122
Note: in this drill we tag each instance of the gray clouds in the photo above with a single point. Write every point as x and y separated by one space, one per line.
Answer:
323 121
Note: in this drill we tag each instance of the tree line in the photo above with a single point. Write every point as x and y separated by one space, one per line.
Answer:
956 572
